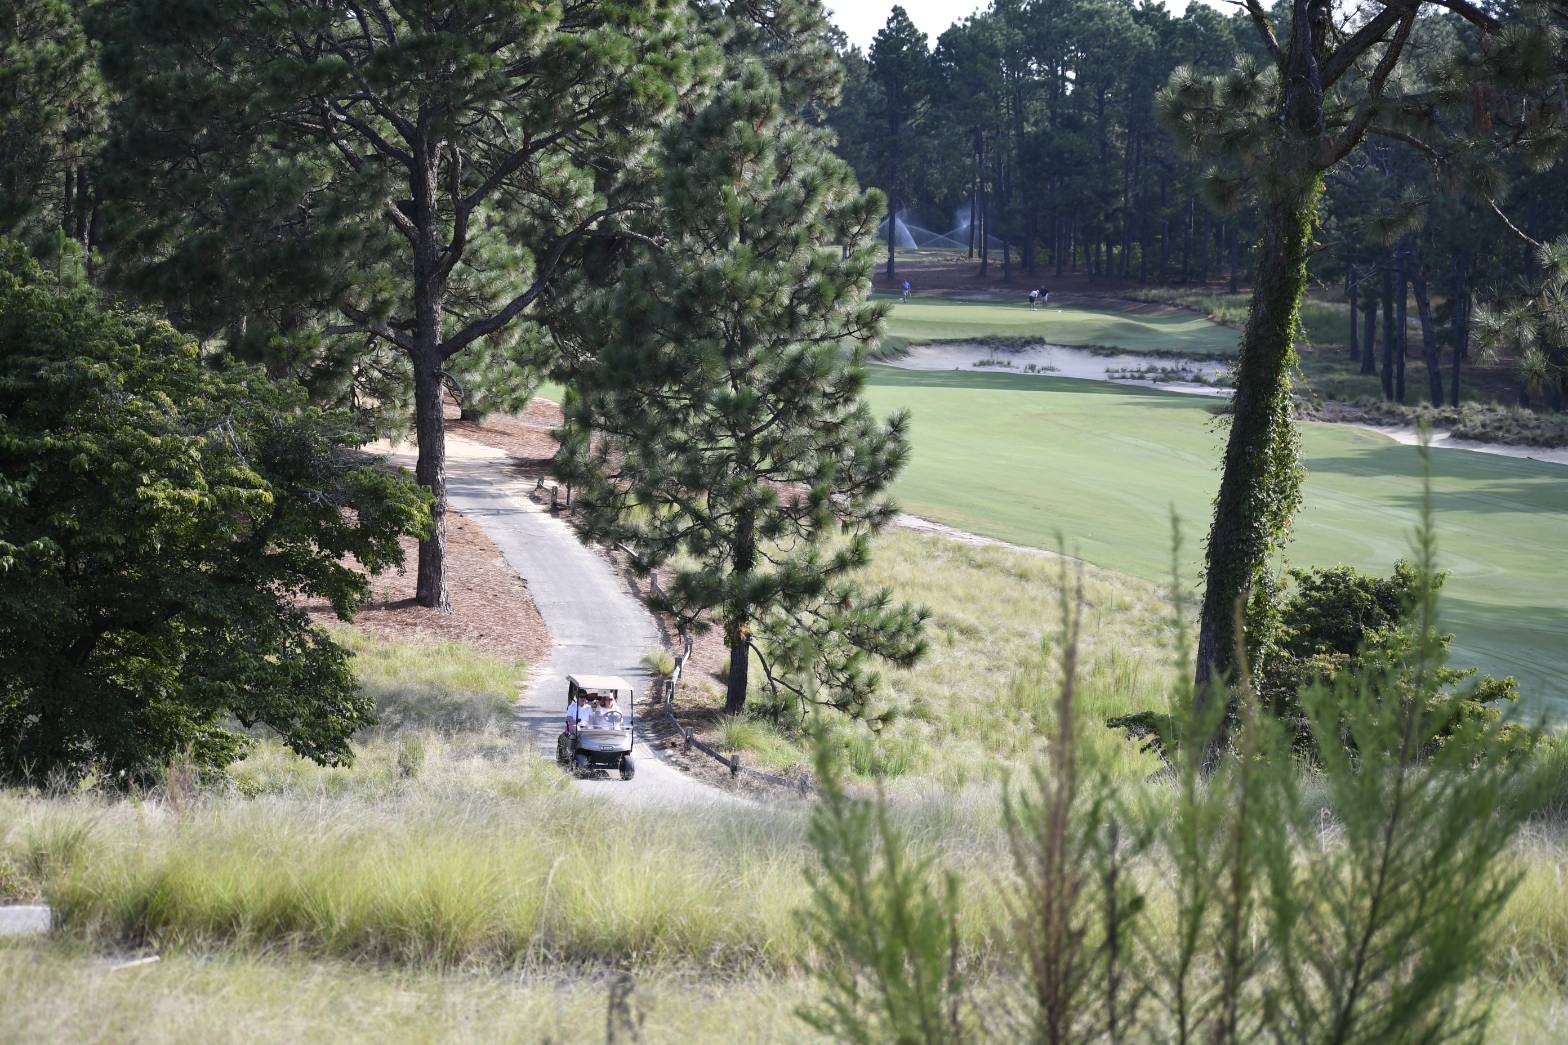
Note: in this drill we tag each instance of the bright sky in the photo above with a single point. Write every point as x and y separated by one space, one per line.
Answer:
860 19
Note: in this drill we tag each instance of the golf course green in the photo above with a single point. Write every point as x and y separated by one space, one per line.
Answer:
1131 326
1027 459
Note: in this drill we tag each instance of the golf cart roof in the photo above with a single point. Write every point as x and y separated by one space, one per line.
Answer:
598 682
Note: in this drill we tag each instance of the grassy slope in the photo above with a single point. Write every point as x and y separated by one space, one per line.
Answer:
476 895
62 993
1138 328
1028 458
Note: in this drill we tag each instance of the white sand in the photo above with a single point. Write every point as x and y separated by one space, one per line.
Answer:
1064 361
1085 365
1409 435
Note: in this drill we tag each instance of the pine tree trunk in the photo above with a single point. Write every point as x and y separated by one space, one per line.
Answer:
974 197
1390 334
1260 481
892 222
1369 333
1461 321
1235 260
1186 243
1352 288
1402 324
743 559
985 229
1434 369
429 419
1203 249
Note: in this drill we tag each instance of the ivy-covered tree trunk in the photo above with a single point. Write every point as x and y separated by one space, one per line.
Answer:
1260 488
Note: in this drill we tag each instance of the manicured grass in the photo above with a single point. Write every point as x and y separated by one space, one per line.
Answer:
1027 458
1134 327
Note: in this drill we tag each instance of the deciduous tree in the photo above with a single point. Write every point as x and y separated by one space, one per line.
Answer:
159 522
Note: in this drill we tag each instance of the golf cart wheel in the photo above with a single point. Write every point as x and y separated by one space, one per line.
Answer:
627 769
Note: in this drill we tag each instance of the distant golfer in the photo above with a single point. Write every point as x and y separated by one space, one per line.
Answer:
1034 299
905 288
1045 295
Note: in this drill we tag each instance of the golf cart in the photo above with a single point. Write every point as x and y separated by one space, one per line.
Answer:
583 748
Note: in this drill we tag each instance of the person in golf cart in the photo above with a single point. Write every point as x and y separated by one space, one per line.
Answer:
597 735
604 714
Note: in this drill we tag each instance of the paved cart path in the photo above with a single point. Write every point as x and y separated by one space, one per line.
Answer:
598 626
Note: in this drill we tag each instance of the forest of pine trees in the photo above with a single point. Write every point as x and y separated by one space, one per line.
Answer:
1038 124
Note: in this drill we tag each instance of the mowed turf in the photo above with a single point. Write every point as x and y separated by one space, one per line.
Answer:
1026 458
1134 327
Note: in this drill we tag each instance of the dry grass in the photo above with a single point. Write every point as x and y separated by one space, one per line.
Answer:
452 884
62 992
969 711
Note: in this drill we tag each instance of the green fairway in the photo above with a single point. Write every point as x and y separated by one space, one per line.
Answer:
1025 458
1134 327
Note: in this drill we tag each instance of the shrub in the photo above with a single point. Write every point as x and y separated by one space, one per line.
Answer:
1338 622
1233 907
158 520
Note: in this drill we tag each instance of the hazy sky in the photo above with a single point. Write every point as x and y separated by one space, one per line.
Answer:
860 19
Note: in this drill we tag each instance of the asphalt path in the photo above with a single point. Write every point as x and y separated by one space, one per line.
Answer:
597 625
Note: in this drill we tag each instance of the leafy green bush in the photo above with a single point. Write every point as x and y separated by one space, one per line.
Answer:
1332 623
159 520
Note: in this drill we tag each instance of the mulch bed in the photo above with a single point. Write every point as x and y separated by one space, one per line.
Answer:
491 610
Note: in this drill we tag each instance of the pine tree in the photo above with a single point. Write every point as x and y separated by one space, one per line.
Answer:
51 111
730 437
405 177
900 65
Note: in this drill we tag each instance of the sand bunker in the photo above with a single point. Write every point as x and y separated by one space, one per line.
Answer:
1131 368
1127 368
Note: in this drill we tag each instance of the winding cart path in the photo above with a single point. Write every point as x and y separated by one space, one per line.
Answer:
597 625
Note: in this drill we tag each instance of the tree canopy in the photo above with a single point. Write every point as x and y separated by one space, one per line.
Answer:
160 521
721 430
397 183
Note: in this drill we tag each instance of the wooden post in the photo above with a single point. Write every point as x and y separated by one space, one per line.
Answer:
735 764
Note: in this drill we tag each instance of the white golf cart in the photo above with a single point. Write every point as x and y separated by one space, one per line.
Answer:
583 748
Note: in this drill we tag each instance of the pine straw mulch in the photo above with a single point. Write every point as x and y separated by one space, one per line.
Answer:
526 436
491 610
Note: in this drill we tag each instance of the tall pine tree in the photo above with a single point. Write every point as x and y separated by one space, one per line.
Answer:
901 66
402 178
731 440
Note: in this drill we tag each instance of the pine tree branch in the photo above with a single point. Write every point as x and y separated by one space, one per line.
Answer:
1470 13
1265 29
382 19
1515 229
1345 55
371 135
1340 147
400 221
365 323
481 327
